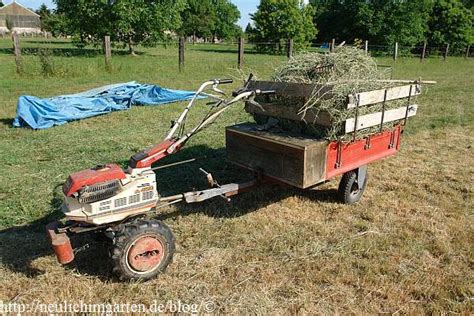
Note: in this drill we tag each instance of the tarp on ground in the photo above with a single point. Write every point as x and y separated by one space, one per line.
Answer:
44 113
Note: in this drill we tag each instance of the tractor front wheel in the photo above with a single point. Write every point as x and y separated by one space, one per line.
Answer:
142 249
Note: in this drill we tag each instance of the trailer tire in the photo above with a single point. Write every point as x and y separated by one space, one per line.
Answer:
349 191
142 249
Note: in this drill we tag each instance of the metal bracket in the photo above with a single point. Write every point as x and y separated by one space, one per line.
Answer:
356 116
338 154
224 191
383 110
392 140
367 143
361 175
408 106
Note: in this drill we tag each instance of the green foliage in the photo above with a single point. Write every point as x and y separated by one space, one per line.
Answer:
280 20
386 21
381 22
198 19
450 23
127 21
46 62
210 18
44 14
9 24
57 25
227 15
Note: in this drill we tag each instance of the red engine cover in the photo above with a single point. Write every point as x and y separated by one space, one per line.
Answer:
99 174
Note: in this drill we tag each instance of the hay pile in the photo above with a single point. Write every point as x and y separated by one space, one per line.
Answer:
348 70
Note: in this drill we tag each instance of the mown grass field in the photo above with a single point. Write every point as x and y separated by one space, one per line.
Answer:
407 247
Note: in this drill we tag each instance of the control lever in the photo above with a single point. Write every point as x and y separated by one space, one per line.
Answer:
244 88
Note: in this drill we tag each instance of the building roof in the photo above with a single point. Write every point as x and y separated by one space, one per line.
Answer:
15 8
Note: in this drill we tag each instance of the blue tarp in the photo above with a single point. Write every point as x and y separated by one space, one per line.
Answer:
44 113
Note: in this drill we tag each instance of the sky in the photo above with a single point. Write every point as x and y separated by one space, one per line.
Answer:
245 6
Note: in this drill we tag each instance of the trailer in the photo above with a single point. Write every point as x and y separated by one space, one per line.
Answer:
116 202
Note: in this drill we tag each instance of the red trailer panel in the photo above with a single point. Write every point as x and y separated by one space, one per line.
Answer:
344 157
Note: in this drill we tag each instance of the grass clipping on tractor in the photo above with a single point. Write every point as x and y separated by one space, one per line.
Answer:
348 70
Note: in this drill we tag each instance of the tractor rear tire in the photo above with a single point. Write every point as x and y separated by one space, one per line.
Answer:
142 249
349 190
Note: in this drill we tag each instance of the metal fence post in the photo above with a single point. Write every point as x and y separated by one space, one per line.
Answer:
181 53
241 53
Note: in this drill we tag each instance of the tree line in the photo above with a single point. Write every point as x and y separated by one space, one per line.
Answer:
146 22
382 22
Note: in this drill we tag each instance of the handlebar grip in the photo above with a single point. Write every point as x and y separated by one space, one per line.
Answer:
260 92
224 81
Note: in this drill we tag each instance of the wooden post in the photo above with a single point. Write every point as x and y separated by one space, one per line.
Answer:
366 47
17 51
108 52
181 53
446 52
333 43
240 60
467 51
423 52
395 51
290 48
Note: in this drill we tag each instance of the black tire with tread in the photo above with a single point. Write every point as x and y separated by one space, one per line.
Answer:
127 233
345 191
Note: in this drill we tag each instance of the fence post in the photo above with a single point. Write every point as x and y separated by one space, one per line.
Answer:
446 52
181 53
240 60
467 51
395 51
290 48
423 52
366 47
108 52
17 51
333 43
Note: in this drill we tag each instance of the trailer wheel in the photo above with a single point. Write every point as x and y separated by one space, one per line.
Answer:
142 249
349 189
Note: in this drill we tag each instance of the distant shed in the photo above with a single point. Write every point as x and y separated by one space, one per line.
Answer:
19 18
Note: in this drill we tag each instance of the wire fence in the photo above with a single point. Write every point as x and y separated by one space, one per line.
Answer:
45 46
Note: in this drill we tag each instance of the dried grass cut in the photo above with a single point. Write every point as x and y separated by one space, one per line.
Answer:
347 70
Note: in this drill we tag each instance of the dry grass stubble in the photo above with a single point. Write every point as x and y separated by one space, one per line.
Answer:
406 247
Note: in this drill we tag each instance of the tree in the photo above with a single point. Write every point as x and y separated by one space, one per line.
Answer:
379 21
227 15
450 22
1 4
280 20
210 18
128 21
44 14
198 19
144 21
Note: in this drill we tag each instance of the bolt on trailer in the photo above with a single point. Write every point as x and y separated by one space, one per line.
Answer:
115 202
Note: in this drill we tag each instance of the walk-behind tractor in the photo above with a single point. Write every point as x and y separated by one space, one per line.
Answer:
115 202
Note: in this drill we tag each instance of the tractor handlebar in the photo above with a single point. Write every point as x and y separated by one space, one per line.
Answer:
223 81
